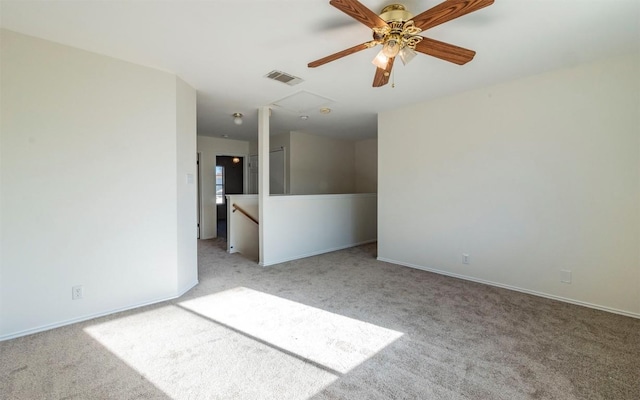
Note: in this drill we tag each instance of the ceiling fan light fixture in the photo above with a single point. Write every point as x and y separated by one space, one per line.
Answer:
391 47
380 60
237 118
395 28
407 54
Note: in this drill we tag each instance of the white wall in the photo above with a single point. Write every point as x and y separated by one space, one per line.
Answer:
187 185
366 166
293 227
303 226
321 165
89 154
209 148
530 178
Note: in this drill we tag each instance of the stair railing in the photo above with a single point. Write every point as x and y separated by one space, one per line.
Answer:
237 207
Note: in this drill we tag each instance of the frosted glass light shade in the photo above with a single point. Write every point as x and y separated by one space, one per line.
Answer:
391 48
380 61
406 55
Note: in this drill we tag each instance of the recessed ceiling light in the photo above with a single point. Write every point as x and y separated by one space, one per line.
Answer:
304 117
325 110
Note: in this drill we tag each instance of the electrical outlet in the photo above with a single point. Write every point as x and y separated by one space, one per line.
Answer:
465 258
77 292
565 276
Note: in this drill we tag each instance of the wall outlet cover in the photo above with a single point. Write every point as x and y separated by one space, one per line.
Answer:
466 258
77 292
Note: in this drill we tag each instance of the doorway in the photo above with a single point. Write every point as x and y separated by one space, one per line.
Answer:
229 180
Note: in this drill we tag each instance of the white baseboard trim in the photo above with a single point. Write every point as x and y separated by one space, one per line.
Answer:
71 321
315 253
514 288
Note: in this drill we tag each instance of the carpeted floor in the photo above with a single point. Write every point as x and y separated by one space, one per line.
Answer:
337 326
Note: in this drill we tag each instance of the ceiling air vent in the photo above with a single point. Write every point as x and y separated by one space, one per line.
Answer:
283 77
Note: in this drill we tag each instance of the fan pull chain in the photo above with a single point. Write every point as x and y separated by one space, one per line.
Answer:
393 79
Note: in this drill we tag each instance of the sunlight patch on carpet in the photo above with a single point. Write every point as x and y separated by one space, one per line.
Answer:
188 356
334 341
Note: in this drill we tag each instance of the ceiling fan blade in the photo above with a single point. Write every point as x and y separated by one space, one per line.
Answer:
382 75
445 51
339 54
447 11
359 11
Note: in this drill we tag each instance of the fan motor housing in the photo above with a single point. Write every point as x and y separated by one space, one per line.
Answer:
395 13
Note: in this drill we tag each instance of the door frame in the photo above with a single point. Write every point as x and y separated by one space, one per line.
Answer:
245 182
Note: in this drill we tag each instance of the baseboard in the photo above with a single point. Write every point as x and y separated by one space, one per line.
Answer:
515 288
88 317
315 253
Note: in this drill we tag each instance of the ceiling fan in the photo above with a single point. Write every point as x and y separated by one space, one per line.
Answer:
396 29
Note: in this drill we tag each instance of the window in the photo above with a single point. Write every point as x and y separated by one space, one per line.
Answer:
219 184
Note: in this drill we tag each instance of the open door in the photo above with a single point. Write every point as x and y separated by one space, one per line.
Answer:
229 180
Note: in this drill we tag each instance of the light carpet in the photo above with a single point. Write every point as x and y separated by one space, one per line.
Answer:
336 326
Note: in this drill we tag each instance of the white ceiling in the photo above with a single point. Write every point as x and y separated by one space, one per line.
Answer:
224 48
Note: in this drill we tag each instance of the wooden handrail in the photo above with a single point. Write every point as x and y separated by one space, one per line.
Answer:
237 207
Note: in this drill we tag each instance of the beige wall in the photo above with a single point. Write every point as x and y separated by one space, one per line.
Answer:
366 166
530 178
318 164
94 154
277 141
321 165
209 148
